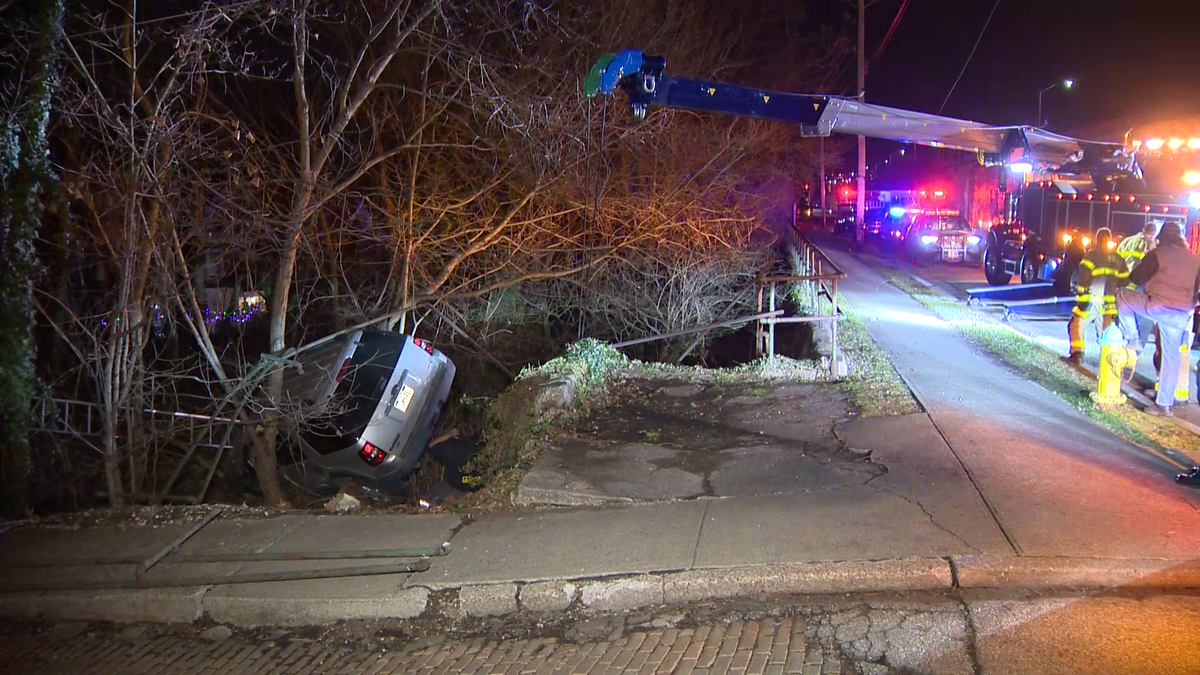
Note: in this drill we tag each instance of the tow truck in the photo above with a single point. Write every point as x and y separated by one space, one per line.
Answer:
1047 216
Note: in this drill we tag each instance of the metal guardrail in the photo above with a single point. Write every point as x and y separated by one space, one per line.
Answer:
817 276
66 417
184 437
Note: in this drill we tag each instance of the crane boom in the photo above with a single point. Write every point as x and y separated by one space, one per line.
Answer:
1022 148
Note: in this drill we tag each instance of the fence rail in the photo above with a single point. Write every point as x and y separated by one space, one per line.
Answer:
817 277
181 439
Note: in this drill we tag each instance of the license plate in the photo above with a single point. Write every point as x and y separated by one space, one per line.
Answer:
404 398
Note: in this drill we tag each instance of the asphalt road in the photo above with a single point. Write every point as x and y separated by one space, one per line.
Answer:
1054 482
955 280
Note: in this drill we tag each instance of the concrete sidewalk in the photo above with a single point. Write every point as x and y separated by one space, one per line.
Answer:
998 484
611 559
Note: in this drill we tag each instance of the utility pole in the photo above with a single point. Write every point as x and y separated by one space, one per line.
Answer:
824 186
860 202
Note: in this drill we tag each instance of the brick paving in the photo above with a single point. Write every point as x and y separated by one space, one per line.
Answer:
765 647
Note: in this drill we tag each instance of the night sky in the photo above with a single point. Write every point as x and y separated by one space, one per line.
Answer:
1130 58
1133 62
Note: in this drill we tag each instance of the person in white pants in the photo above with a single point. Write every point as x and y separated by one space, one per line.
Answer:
1171 277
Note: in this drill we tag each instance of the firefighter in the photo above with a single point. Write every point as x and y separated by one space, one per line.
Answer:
1135 247
1100 272
1171 275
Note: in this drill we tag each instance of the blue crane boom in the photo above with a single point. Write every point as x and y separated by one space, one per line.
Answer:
1021 148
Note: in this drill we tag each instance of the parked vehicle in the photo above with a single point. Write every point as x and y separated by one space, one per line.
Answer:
943 236
367 404
873 220
845 219
892 227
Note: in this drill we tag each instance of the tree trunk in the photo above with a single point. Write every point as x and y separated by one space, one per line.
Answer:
265 438
112 461
23 182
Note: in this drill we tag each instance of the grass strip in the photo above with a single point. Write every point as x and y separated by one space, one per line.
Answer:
1033 360
874 386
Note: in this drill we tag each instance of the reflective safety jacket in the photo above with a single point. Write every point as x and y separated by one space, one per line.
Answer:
1100 272
1133 248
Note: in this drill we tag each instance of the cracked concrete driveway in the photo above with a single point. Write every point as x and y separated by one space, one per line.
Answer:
795 473
668 439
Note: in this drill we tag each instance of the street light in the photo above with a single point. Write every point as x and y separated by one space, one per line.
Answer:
1065 84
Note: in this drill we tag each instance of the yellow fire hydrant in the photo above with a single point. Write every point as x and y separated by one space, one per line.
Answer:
1113 360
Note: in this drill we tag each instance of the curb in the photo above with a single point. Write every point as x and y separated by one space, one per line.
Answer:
612 594
1034 573
249 609
816 578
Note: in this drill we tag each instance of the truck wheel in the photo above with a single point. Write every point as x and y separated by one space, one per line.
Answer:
993 266
1029 267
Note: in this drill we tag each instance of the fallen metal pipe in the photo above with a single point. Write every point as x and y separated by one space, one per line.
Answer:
689 331
250 556
174 545
219 580
269 556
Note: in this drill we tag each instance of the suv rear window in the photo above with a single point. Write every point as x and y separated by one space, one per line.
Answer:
357 395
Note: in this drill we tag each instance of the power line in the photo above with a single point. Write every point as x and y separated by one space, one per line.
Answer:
969 57
890 31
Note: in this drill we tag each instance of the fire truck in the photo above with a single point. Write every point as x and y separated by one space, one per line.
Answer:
1044 216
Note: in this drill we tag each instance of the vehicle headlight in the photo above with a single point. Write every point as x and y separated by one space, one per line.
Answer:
928 239
973 239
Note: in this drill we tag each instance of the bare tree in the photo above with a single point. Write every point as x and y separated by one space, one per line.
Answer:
131 109
433 156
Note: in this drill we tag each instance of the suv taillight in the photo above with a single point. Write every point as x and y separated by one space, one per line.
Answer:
342 371
424 344
372 455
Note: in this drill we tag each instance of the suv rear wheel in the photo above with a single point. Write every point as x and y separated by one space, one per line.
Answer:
993 265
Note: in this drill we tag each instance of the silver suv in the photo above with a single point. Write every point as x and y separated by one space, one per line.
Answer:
367 403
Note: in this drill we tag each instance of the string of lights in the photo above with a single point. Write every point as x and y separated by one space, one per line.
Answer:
211 316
